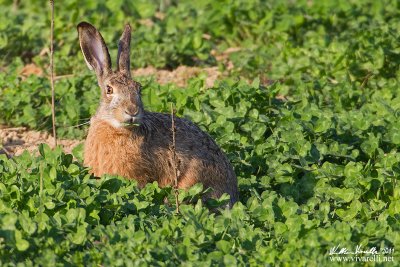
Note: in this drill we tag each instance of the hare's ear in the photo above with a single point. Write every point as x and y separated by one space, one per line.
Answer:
94 49
124 46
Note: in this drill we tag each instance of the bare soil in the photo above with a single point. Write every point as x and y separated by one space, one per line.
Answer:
13 141
179 76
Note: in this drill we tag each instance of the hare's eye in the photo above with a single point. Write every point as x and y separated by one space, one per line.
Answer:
109 90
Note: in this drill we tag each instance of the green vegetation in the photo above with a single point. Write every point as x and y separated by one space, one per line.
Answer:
314 137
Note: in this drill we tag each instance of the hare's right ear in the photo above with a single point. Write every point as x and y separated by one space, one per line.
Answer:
94 49
124 46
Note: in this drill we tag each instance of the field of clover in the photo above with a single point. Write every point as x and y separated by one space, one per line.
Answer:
309 117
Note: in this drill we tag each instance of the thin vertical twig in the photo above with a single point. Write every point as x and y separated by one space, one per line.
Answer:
4 150
40 180
15 5
174 158
53 111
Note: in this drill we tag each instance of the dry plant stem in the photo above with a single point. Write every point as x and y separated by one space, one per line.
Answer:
14 129
5 150
174 159
366 79
63 76
41 179
16 5
53 115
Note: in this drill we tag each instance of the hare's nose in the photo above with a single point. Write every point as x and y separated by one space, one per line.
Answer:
133 112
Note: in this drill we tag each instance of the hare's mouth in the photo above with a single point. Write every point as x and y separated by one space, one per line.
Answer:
133 121
130 124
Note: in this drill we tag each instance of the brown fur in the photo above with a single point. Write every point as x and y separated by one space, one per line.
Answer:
142 152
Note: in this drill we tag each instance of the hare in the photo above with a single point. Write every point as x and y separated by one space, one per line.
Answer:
126 140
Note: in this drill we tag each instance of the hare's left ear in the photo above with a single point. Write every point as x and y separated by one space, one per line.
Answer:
123 58
94 49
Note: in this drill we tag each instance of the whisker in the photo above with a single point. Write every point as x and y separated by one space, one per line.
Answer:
76 126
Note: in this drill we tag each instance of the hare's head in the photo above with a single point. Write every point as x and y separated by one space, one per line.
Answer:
121 104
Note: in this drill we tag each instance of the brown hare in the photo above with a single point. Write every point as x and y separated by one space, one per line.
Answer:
126 140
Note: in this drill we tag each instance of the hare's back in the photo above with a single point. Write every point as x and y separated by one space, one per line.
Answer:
189 138
200 158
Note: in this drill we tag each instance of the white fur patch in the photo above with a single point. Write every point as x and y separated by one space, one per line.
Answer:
116 99
127 117
114 123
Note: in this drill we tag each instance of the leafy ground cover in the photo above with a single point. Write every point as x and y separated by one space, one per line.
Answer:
314 137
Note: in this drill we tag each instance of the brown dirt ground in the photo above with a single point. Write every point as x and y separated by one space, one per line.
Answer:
13 141
180 75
